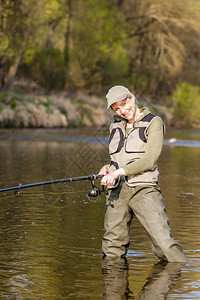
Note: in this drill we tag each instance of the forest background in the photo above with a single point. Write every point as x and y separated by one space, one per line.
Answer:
58 58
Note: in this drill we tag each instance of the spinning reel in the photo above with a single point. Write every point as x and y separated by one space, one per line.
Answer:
95 192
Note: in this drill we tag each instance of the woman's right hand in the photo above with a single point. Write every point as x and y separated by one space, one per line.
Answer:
104 170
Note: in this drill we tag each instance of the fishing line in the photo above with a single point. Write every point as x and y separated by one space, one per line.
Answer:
57 198
40 194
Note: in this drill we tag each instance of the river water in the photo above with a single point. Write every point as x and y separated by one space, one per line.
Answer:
50 236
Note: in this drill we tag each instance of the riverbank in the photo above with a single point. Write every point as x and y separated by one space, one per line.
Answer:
58 110
51 111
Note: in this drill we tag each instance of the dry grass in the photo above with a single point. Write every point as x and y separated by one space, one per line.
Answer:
51 111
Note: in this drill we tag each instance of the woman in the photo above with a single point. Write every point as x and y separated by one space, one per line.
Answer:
135 144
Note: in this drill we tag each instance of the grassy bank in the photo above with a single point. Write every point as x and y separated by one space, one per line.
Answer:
50 111
59 110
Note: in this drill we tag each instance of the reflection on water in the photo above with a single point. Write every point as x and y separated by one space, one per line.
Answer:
161 280
115 279
50 237
158 285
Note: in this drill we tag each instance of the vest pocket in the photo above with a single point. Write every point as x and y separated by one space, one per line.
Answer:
134 145
116 141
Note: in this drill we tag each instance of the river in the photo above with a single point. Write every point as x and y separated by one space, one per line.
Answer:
50 236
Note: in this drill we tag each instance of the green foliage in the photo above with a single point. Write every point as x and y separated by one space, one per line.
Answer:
19 90
97 56
47 106
90 45
75 100
13 101
48 69
141 81
3 97
186 100
63 110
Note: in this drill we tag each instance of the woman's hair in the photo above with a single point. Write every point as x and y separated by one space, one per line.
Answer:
136 100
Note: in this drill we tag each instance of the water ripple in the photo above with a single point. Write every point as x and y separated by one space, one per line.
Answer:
89 139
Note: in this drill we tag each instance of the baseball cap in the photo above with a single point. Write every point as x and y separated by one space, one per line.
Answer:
116 93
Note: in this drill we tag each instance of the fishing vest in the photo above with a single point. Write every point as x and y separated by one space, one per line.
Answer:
126 149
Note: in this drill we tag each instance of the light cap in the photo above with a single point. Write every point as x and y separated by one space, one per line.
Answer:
117 93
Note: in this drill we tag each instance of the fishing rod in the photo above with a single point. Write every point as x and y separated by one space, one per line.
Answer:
94 192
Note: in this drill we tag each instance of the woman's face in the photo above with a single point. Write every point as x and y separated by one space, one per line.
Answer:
125 108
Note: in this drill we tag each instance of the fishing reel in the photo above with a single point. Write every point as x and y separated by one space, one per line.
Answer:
95 192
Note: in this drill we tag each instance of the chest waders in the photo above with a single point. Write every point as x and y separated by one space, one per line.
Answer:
137 195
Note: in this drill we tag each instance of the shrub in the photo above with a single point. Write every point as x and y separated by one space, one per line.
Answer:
186 101
49 69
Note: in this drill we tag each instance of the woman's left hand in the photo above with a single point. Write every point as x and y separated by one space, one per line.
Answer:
109 179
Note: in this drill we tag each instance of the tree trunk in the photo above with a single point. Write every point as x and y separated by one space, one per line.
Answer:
67 34
14 67
52 26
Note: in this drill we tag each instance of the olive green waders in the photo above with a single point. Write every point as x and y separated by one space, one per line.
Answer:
145 202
